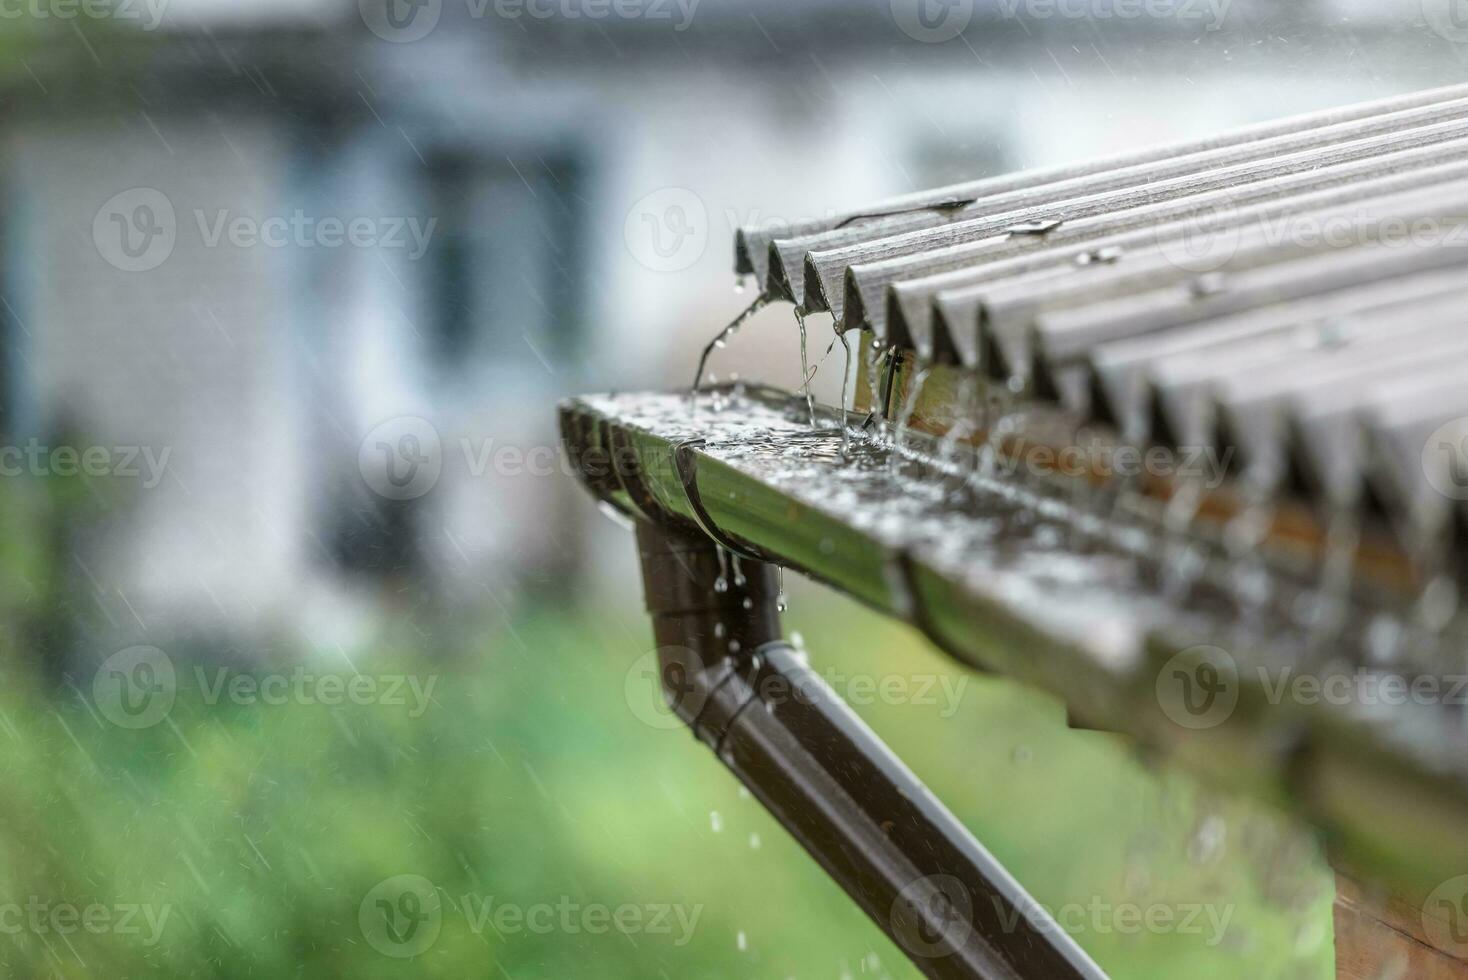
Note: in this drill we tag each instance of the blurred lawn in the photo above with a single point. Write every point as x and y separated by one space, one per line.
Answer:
531 778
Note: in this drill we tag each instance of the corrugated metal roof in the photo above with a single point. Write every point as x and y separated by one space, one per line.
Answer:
753 246
1290 292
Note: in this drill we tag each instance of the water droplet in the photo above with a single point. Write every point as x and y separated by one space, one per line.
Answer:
748 603
1207 843
1309 937
741 941
1438 603
716 821
734 646
754 842
1137 882
1382 639
719 631
721 584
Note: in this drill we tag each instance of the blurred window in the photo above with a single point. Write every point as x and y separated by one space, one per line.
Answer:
507 275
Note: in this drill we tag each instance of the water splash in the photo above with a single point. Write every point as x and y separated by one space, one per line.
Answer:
951 459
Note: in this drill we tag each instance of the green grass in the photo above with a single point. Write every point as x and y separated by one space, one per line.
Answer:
259 830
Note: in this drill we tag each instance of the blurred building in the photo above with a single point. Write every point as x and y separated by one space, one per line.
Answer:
549 192
230 247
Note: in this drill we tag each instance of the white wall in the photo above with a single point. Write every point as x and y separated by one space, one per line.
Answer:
191 358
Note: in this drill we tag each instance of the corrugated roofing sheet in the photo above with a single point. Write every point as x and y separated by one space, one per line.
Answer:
1290 293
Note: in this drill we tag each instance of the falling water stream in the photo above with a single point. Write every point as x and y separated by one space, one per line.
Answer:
1337 572
1183 564
1243 538
909 407
1439 599
874 355
845 396
810 402
720 341
967 422
721 584
992 451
